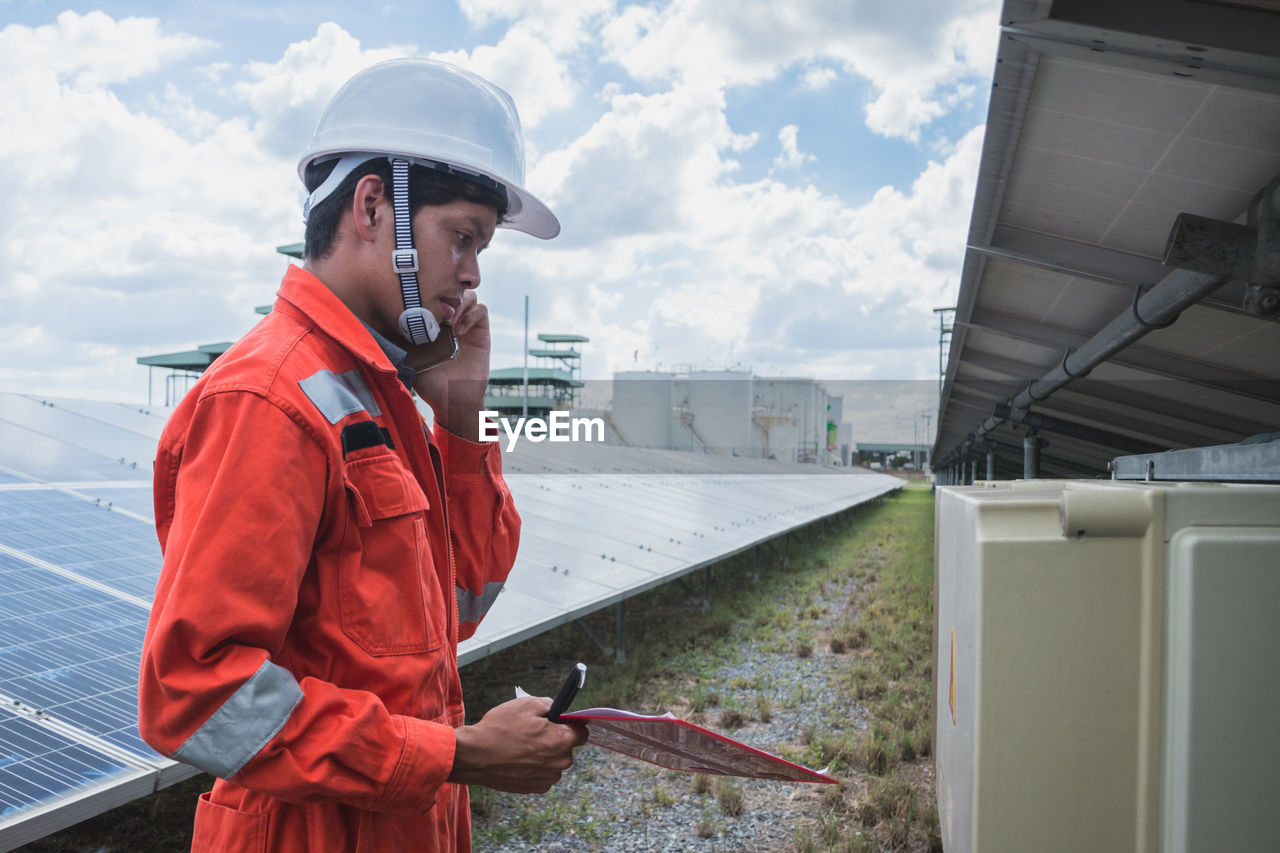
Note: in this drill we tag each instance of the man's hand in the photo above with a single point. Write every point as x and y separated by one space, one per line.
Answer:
516 748
455 389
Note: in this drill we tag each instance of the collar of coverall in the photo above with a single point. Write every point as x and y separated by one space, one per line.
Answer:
307 294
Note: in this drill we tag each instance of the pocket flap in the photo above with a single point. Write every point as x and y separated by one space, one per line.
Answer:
381 487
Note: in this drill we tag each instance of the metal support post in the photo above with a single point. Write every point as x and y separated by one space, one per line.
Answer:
620 654
755 564
1031 444
973 470
991 463
595 637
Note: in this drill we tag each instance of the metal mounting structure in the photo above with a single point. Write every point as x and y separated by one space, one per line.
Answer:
1253 461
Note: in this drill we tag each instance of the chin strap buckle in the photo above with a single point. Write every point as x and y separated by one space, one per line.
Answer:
418 326
405 260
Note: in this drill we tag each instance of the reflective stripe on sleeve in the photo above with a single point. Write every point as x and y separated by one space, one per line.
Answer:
472 607
337 395
252 716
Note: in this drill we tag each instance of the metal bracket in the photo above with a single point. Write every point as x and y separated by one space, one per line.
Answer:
1066 354
1151 327
1262 301
1248 253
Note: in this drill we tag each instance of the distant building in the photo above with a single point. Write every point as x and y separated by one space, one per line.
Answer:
729 412
550 388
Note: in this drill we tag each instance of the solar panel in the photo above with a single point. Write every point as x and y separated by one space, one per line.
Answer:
134 498
590 540
80 429
71 651
79 561
33 456
39 766
80 537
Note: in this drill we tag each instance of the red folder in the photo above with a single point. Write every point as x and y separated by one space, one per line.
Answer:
670 742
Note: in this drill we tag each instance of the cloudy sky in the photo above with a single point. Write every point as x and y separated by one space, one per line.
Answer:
784 186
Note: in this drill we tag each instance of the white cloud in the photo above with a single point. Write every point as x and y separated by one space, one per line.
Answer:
137 229
562 26
819 78
92 50
537 79
784 275
288 95
914 55
791 157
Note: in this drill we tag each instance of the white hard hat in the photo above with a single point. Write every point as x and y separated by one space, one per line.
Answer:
423 110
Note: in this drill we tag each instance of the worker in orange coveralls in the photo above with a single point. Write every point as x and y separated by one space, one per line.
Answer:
323 555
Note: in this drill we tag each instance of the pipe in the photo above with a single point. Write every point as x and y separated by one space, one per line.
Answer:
1155 309
1031 444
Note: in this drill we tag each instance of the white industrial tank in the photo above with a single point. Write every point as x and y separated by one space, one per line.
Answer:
641 408
1106 667
719 411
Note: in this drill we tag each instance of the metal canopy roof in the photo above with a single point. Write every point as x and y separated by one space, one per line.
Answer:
547 338
197 359
1108 120
537 375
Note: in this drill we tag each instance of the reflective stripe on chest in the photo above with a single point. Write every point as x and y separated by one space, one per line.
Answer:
337 395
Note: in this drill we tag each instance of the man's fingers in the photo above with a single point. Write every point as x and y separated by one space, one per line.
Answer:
470 317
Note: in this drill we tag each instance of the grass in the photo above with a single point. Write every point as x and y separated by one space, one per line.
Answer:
881 633
886 644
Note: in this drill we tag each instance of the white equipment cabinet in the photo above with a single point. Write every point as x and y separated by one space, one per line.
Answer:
1107 674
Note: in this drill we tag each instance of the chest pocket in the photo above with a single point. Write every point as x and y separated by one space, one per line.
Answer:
390 598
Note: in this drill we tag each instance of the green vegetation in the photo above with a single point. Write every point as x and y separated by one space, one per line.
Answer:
864 591
887 635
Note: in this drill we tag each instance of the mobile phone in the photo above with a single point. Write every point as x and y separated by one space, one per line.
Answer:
422 357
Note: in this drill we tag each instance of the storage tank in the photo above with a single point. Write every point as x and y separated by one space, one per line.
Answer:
720 406
641 408
797 440
1106 675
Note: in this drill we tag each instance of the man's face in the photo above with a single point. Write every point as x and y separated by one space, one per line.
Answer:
449 239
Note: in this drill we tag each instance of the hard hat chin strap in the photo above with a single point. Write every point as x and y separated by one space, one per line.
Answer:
417 324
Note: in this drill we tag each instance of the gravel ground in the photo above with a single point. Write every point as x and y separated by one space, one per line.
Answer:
621 804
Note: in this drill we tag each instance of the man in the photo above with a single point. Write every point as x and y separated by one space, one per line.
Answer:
323 555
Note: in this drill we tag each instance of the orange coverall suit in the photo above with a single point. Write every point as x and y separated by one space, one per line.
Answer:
317 578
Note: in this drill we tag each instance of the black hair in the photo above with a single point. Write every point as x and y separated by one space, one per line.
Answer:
426 186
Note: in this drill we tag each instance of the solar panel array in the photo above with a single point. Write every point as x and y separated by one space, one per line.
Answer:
79 561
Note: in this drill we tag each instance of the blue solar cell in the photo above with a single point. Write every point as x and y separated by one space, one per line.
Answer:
78 535
38 765
72 651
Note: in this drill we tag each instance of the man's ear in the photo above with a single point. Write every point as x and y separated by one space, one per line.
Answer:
370 208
